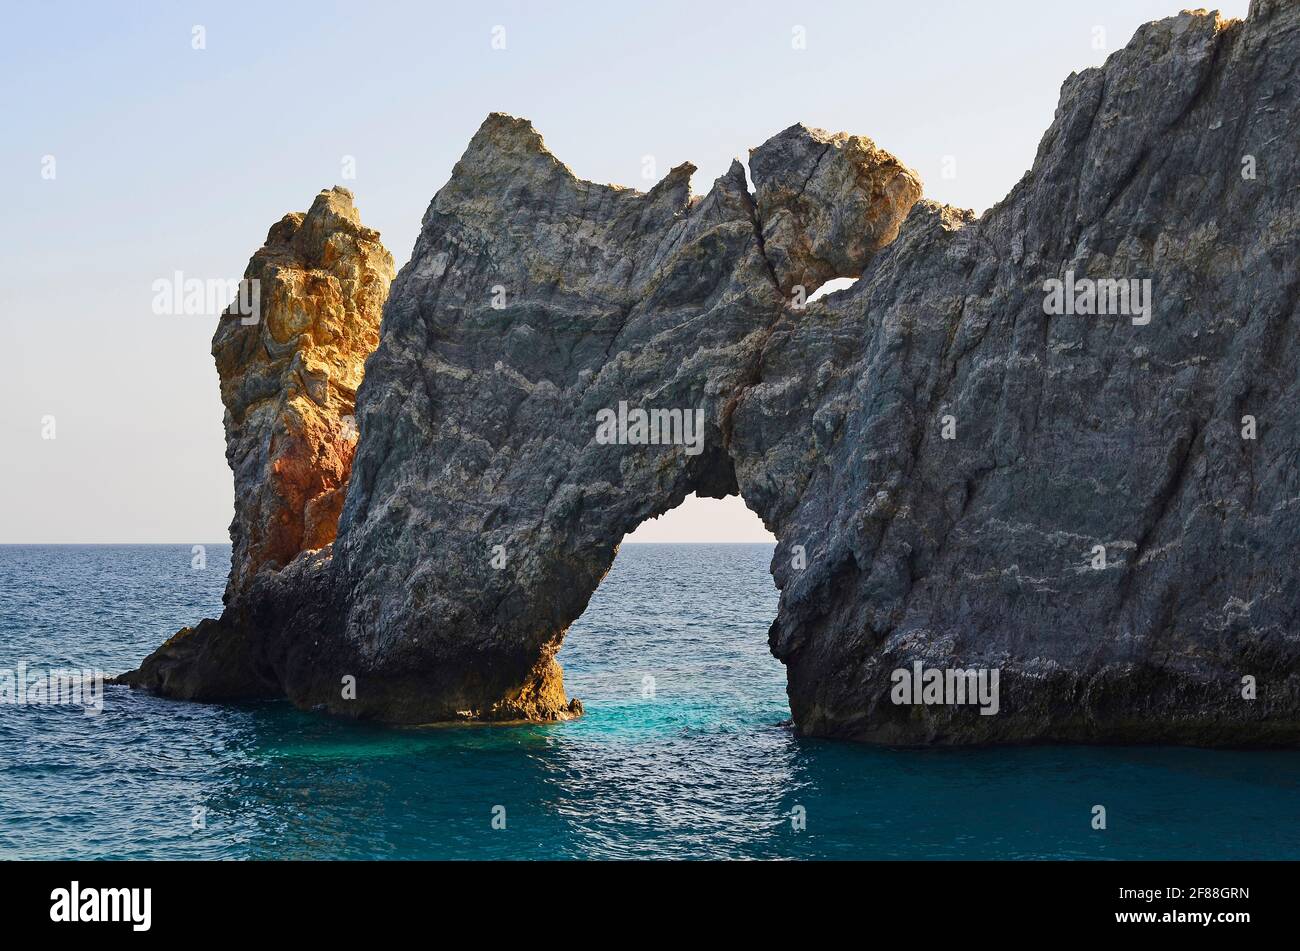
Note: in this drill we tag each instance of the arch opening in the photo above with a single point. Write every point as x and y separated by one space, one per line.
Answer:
675 635
832 286
701 520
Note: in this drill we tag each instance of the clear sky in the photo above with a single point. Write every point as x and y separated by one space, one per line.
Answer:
168 158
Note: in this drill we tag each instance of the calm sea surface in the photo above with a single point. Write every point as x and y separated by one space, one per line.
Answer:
690 763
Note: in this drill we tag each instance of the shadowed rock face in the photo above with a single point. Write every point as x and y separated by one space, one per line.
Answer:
940 458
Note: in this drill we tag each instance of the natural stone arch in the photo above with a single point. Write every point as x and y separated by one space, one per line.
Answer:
517 324
483 510
478 425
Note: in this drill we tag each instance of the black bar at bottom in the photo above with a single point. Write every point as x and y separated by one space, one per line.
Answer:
335 899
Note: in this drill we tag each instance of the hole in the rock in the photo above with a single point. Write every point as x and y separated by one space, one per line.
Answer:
831 286
675 637
699 520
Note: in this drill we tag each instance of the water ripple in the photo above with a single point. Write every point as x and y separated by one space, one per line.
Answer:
679 755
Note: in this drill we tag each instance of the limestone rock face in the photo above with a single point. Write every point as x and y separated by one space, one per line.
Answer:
1099 503
289 380
289 368
827 203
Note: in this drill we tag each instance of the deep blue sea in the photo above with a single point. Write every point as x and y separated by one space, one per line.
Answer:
693 763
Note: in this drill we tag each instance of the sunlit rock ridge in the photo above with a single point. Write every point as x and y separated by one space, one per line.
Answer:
1104 508
289 380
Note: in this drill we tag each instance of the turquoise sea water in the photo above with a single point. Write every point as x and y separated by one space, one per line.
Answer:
697 767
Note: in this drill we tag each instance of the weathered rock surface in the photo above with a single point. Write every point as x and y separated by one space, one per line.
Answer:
289 374
483 510
827 203
289 380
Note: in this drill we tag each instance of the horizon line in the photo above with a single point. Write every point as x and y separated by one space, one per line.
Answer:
175 544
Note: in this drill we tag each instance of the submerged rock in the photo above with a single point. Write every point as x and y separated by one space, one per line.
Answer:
1099 502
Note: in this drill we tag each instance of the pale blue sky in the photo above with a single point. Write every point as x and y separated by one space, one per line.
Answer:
169 158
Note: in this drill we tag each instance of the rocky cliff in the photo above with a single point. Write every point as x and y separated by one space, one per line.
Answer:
1056 442
289 380
289 372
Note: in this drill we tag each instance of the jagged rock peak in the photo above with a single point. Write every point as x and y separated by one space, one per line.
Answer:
827 203
289 380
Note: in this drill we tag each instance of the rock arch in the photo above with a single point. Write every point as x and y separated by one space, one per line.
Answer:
534 300
517 324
